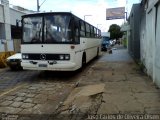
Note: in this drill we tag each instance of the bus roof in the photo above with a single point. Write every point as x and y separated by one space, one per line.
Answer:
49 13
46 13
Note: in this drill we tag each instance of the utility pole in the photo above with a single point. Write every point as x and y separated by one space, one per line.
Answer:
38 6
126 10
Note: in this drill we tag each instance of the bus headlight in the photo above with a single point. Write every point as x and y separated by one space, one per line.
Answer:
67 57
27 56
61 57
24 56
64 57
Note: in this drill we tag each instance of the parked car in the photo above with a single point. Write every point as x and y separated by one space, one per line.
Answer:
105 43
14 61
112 42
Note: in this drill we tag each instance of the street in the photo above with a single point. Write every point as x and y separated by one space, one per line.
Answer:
111 85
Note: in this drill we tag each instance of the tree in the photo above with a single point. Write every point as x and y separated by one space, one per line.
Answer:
115 31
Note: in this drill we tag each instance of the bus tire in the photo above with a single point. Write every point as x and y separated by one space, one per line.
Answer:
97 53
83 60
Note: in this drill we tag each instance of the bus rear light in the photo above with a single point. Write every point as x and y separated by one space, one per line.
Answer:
72 46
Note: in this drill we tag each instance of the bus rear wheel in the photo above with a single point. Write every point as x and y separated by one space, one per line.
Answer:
97 53
83 61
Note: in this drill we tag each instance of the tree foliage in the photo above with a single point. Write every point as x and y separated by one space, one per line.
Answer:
115 31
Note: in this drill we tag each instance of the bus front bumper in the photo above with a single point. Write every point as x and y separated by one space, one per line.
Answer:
59 66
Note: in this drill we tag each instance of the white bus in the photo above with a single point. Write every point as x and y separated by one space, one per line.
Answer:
58 41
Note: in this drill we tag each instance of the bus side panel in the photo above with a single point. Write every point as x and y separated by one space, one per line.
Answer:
90 46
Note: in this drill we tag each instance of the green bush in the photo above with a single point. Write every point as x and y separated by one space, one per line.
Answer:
124 42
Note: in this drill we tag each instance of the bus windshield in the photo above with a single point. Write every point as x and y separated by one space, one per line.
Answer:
47 29
32 29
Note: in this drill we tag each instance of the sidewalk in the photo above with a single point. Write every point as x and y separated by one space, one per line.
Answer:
127 89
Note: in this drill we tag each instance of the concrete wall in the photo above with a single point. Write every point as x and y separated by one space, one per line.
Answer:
10 46
149 37
134 38
1 14
150 41
156 76
15 15
2 28
6 28
8 17
11 15
17 43
1 47
143 48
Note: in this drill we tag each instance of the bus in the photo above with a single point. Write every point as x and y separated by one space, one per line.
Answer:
58 41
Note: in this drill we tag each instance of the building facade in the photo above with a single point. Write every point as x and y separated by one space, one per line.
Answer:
134 36
10 34
148 28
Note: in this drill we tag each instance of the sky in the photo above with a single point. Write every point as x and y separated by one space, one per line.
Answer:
93 10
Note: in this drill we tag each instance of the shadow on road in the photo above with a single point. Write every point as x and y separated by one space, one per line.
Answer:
65 75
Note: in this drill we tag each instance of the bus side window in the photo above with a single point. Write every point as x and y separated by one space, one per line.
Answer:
76 31
77 35
92 31
88 30
95 32
99 33
82 29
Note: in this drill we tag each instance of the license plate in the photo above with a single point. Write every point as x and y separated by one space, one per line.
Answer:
42 65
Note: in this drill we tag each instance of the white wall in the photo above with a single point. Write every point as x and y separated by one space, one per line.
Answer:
15 15
150 2
8 17
157 50
1 47
143 48
10 45
1 14
150 41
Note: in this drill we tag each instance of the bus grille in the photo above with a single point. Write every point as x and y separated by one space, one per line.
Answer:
43 56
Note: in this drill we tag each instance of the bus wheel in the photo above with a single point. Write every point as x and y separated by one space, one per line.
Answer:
83 60
97 53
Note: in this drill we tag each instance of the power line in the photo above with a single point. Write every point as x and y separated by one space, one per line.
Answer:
42 3
38 6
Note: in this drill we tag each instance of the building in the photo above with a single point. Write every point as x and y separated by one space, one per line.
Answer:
144 42
134 36
10 33
149 38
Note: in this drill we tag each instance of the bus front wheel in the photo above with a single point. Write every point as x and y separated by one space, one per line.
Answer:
83 63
